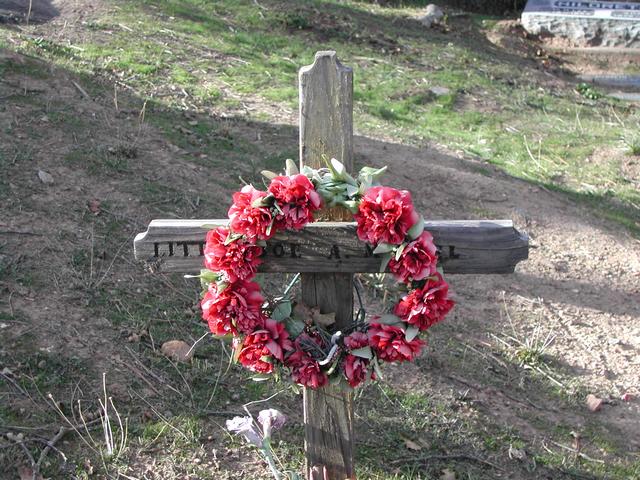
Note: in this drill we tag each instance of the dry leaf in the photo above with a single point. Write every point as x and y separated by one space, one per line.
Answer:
94 206
411 445
323 319
626 397
448 474
177 350
593 403
45 177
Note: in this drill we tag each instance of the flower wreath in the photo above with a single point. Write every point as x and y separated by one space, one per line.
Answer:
271 336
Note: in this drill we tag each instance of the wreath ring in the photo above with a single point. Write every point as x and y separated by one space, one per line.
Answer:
281 338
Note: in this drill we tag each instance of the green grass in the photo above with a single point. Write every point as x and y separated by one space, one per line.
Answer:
495 110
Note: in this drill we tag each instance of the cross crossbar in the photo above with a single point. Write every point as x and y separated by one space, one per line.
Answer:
464 246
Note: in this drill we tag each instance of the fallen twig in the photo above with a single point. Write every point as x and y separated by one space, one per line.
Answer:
81 90
61 433
452 456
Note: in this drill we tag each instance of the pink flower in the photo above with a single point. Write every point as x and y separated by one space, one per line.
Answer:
385 215
260 347
417 261
236 308
305 370
238 260
254 222
427 305
390 343
297 199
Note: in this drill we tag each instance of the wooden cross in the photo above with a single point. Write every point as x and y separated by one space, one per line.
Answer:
327 254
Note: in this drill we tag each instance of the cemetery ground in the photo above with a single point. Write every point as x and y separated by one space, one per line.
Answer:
114 113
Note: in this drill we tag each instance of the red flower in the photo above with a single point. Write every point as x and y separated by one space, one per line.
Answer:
305 370
417 261
355 368
254 222
385 215
427 305
236 308
390 344
260 347
238 260
297 199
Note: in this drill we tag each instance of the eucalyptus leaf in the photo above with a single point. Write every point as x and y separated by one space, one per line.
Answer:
416 230
383 247
338 167
294 326
376 369
268 174
291 168
389 319
260 378
411 332
364 352
384 261
210 226
281 311
399 250
352 190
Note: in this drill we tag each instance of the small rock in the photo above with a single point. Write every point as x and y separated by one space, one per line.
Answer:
439 91
593 403
177 350
433 15
45 177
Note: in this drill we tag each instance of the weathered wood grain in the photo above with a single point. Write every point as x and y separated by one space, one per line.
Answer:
326 131
465 246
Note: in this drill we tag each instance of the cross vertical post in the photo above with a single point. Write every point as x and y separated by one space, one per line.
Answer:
326 131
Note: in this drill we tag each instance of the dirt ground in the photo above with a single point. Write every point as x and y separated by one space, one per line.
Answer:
67 241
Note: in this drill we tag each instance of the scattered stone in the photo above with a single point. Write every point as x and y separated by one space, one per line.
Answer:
589 24
177 350
594 403
45 177
433 16
517 453
439 91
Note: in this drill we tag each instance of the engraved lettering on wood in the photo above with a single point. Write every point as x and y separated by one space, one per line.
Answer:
465 246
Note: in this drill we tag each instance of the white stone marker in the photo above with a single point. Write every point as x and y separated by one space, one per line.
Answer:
586 23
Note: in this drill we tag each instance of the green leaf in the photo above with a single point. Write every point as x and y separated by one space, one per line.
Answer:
383 247
372 172
261 378
281 311
294 326
399 250
291 168
208 276
417 229
352 190
384 263
338 167
389 319
268 174
411 332
210 226
352 205
364 352
232 237
376 368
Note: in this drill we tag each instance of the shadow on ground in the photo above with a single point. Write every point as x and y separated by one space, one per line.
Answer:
76 305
